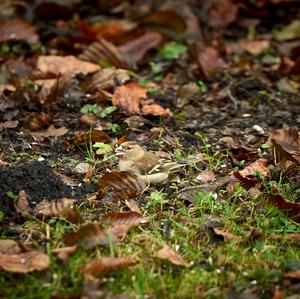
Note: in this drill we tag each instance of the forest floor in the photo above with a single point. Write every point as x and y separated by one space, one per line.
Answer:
211 86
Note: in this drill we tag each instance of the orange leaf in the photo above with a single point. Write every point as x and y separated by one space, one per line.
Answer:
131 97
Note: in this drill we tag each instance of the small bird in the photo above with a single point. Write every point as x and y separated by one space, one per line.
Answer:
148 166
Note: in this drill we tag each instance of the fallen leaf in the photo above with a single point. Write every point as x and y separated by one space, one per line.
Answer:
285 144
65 65
10 124
210 62
206 176
24 262
131 98
167 20
131 219
222 13
37 120
9 247
64 253
17 29
254 46
51 131
105 265
221 231
103 50
64 207
167 253
106 79
290 208
245 182
119 186
258 166
292 274
137 48
21 204
89 138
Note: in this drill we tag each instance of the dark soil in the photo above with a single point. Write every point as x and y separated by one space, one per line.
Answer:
39 182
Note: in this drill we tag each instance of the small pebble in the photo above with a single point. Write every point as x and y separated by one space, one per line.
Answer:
258 129
82 167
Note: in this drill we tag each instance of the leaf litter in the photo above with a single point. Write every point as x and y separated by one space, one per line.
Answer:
206 78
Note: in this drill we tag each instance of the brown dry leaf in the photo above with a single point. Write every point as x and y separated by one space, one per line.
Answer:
285 144
106 79
167 253
206 176
254 46
64 253
288 138
51 131
65 179
21 204
290 208
137 48
106 265
257 166
90 235
9 247
89 137
120 186
103 50
17 29
24 262
37 120
64 207
133 205
65 65
292 274
10 124
295 237
131 98
131 219
210 62
135 122
222 13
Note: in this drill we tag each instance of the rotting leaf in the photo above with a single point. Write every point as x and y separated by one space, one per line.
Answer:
24 262
120 185
65 65
64 207
132 99
105 265
167 253
89 137
291 31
